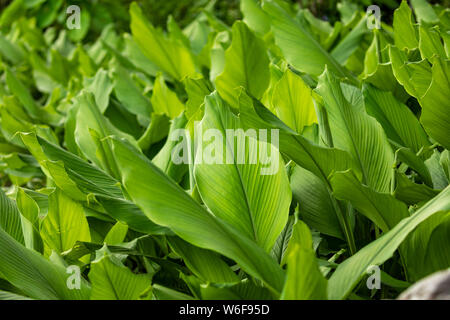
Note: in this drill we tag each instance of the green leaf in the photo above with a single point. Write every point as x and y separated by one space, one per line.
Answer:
246 65
304 280
410 192
101 86
358 133
163 293
127 212
425 244
236 180
34 275
10 220
351 271
440 259
91 127
243 290
293 103
113 281
430 43
397 120
117 234
88 178
437 173
164 158
378 67
167 204
11 50
321 161
169 55
4 295
415 76
350 43
164 100
11 13
29 210
64 225
382 208
315 203
129 94
205 264
280 246
21 92
410 159
405 34
424 11
435 116
299 47
197 89
254 17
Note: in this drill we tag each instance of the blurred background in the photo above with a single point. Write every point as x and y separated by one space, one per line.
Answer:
100 13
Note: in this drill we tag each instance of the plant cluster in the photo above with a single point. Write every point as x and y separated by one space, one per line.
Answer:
92 205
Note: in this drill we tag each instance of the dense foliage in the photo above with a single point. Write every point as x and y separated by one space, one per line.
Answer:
93 206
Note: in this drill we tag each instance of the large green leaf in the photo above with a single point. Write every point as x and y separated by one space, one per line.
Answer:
237 180
167 204
426 244
320 161
358 133
34 275
351 271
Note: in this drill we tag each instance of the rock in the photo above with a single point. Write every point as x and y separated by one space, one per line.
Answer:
433 287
